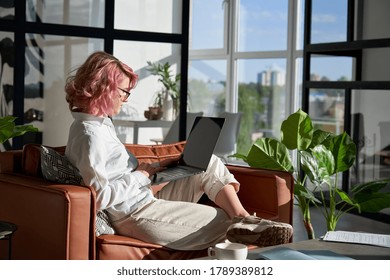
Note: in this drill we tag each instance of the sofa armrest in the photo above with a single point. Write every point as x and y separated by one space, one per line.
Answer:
54 221
10 161
269 193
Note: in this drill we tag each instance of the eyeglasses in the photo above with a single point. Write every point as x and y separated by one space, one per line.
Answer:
126 96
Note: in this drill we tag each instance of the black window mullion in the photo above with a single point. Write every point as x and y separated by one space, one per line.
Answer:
306 56
184 71
19 68
109 26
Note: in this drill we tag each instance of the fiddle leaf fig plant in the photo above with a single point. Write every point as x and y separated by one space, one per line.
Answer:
321 157
9 130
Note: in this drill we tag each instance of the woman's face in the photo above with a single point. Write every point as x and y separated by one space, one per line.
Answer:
123 95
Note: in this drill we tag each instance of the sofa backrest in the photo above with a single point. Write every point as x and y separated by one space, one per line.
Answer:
153 153
31 160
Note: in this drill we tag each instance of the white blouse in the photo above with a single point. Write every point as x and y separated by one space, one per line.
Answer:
104 163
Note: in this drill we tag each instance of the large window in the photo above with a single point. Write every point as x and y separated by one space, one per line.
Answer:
151 15
329 23
262 25
82 13
61 34
208 97
346 82
242 58
208 29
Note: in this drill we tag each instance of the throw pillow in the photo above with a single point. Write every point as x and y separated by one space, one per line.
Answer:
103 225
57 168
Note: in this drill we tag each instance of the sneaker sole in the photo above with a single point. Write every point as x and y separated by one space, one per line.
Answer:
274 235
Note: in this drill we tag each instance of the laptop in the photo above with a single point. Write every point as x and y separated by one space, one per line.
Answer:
197 151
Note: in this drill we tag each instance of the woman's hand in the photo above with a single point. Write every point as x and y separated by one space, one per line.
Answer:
156 188
148 170
170 162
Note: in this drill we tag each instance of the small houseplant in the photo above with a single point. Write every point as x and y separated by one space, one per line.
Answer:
170 85
9 130
322 156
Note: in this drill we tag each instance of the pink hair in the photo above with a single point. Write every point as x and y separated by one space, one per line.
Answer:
95 85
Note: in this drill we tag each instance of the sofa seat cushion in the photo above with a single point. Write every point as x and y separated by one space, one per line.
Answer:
115 247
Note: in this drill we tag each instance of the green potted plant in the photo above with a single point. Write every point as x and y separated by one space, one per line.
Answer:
9 130
322 156
170 85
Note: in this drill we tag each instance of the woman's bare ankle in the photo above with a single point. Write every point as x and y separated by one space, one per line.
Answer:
228 200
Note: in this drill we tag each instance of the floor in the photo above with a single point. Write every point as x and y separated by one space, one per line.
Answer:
348 222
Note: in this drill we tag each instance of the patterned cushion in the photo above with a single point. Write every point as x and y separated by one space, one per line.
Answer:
103 225
57 168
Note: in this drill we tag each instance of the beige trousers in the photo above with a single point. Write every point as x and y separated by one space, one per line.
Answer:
175 220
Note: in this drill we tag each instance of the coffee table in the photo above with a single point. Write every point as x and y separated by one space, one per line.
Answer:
355 251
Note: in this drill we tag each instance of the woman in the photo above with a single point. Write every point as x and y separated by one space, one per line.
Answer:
171 217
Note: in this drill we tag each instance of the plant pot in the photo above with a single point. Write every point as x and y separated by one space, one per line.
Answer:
154 113
168 109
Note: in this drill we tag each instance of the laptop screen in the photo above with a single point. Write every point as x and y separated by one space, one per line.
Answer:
201 141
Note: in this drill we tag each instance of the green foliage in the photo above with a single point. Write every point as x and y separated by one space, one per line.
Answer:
270 153
169 81
201 100
9 130
322 156
297 132
250 104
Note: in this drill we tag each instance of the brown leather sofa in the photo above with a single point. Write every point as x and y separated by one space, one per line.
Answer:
57 221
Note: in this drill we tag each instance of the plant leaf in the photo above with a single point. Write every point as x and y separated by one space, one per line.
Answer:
310 167
297 131
319 137
9 130
270 154
6 128
325 159
303 192
369 197
318 165
240 156
344 151
22 129
370 187
344 197
373 202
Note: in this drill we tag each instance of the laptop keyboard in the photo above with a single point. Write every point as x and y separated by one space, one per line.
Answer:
175 172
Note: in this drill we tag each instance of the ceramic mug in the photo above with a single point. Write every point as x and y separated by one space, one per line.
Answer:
228 251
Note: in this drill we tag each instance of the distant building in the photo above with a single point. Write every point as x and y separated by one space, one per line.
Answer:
315 77
271 78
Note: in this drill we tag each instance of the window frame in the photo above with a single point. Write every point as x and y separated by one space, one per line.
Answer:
231 54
